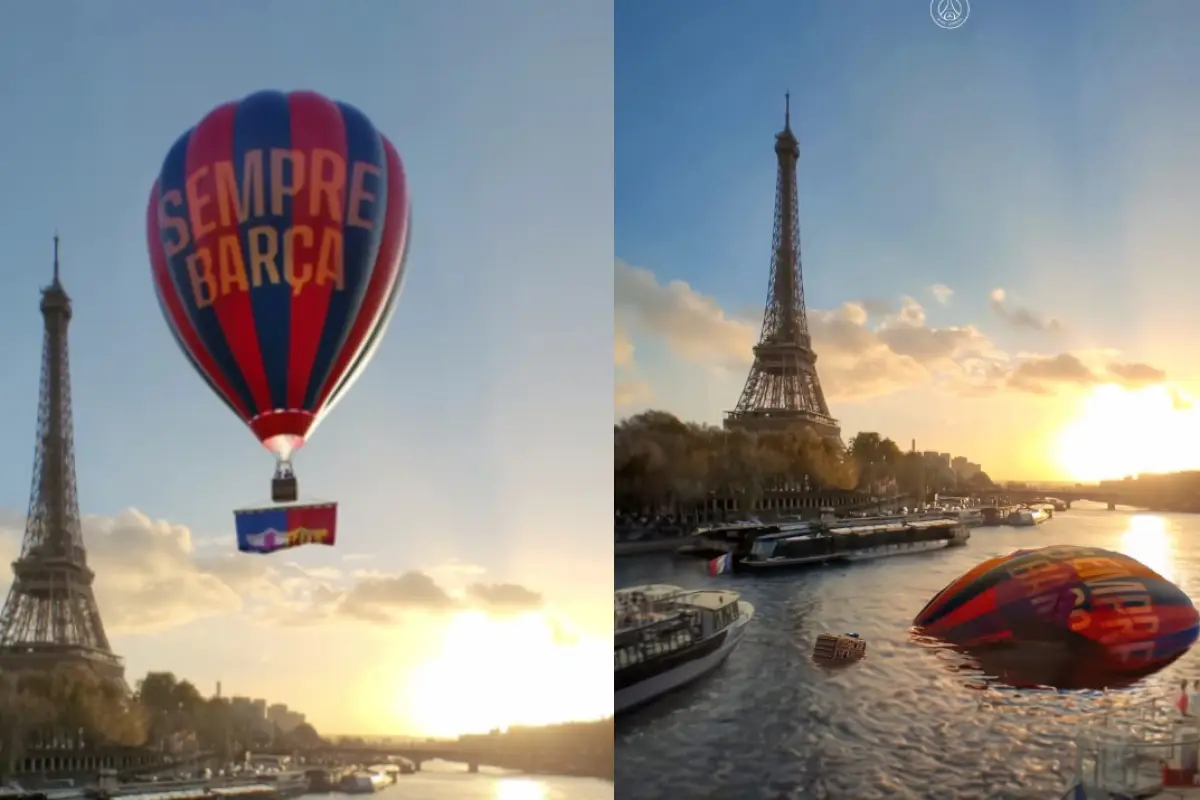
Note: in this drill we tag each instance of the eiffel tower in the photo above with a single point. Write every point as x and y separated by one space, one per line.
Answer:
50 617
783 390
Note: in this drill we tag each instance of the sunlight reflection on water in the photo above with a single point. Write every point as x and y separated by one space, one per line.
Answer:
907 721
439 780
1147 539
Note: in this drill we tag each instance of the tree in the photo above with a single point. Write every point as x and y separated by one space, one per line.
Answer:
158 695
21 712
910 475
303 737
75 707
980 482
92 710
878 458
666 466
214 727
186 698
69 706
156 691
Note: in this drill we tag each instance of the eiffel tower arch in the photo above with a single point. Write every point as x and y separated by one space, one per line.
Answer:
51 618
783 390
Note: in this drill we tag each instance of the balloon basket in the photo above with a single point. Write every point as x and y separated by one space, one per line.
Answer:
284 490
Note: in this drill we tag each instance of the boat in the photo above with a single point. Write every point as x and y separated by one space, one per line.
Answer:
735 538
390 771
1028 517
970 516
854 540
1143 749
363 783
732 526
321 780
1053 503
666 637
289 783
995 515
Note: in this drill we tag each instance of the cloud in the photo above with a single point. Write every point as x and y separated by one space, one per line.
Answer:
941 293
1038 374
876 307
1019 317
1034 374
693 325
631 393
1137 374
866 348
379 599
150 576
384 599
622 348
504 597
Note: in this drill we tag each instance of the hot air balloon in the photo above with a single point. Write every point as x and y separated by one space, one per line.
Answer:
277 230
1064 616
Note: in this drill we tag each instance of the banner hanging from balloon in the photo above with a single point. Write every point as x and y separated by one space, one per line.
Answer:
265 530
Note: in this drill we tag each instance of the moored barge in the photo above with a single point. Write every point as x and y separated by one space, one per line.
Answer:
852 540
736 539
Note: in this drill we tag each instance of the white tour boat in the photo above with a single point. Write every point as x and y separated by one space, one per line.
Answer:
1028 517
666 637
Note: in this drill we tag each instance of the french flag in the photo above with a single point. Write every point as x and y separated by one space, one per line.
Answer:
721 564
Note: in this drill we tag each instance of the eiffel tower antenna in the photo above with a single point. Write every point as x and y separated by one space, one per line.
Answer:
50 617
782 389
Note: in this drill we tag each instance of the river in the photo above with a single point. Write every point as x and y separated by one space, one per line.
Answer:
439 780
899 724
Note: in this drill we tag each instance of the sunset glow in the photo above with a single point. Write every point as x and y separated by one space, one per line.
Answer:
1122 432
1147 540
497 672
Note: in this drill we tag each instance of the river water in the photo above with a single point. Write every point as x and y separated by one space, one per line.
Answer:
902 723
439 780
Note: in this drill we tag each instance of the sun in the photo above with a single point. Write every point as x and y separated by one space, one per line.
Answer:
1123 432
497 672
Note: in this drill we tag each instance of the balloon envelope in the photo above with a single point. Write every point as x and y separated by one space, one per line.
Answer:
277 230
1102 615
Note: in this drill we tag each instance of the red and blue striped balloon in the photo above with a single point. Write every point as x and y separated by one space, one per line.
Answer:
1124 616
277 230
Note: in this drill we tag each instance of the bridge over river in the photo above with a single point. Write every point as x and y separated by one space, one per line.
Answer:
1152 499
531 757
524 756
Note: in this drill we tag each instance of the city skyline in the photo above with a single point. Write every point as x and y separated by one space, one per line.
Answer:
446 606
992 266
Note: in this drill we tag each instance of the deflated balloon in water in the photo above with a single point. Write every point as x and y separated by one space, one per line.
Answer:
1115 615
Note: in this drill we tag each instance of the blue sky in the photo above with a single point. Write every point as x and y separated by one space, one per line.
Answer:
1045 149
474 441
